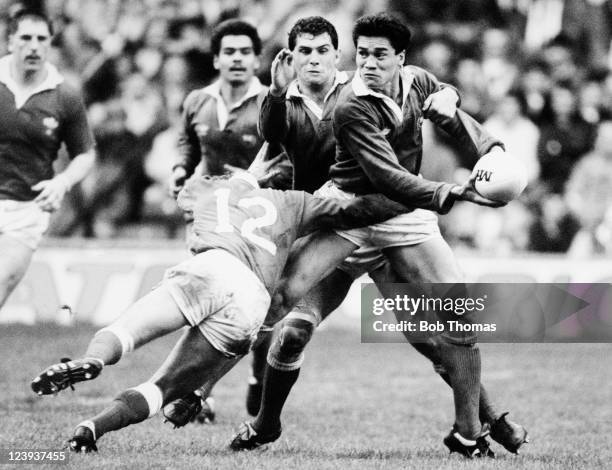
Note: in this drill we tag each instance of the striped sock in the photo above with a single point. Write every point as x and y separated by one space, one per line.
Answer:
462 363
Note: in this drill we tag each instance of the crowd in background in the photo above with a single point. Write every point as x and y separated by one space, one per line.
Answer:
537 73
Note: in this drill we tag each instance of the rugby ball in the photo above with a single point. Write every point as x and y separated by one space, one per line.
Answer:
499 176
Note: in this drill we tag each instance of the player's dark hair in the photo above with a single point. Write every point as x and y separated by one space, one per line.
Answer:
27 14
315 25
234 28
385 26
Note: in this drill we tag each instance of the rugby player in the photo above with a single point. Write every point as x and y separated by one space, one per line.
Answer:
418 249
240 240
39 113
297 114
219 122
219 128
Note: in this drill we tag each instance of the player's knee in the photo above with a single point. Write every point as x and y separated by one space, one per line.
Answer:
290 291
294 336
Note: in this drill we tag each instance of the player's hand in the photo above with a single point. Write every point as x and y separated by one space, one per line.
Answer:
282 72
263 171
177 180
467 192
51 193
441 105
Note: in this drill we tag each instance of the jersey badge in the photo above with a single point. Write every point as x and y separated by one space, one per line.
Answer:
249 139
51 124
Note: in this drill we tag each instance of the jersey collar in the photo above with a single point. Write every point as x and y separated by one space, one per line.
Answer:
293 92
361 89
214 90
247 177
53 79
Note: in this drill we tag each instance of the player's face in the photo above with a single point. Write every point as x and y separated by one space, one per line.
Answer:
30 45
314 59
377 61
236 61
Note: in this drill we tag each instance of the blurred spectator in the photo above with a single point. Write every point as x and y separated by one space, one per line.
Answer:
563 139
558 55
554 227
592 97
535 84
437 58
520 135
544 22
469 79
589 197
500 71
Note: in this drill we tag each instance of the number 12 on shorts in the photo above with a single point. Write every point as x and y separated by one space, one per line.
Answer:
247 230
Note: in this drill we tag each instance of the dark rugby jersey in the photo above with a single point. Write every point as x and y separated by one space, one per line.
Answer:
305 131
377 142
259 226
217 135
31 134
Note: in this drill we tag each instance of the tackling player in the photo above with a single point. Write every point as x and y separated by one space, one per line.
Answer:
219 128
39 112
413 245
240 240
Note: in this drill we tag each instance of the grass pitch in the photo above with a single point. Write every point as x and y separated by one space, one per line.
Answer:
355 406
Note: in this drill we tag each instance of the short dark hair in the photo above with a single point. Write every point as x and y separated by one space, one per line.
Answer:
314 25
383 25
234 28
25 14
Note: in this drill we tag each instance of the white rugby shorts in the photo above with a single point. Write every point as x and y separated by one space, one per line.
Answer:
408 229
24 221
220 295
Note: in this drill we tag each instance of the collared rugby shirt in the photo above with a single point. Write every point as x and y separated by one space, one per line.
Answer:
216 135
33 126
305 131
377 141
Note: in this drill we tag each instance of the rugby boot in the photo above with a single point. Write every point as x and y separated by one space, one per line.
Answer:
248 439
509 434
65 374
82 441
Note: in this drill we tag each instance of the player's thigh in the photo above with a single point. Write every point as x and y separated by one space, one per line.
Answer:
154 315
15 258
430 261
310 262
192 362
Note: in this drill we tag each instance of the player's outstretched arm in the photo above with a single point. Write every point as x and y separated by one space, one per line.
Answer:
329 213
368 145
